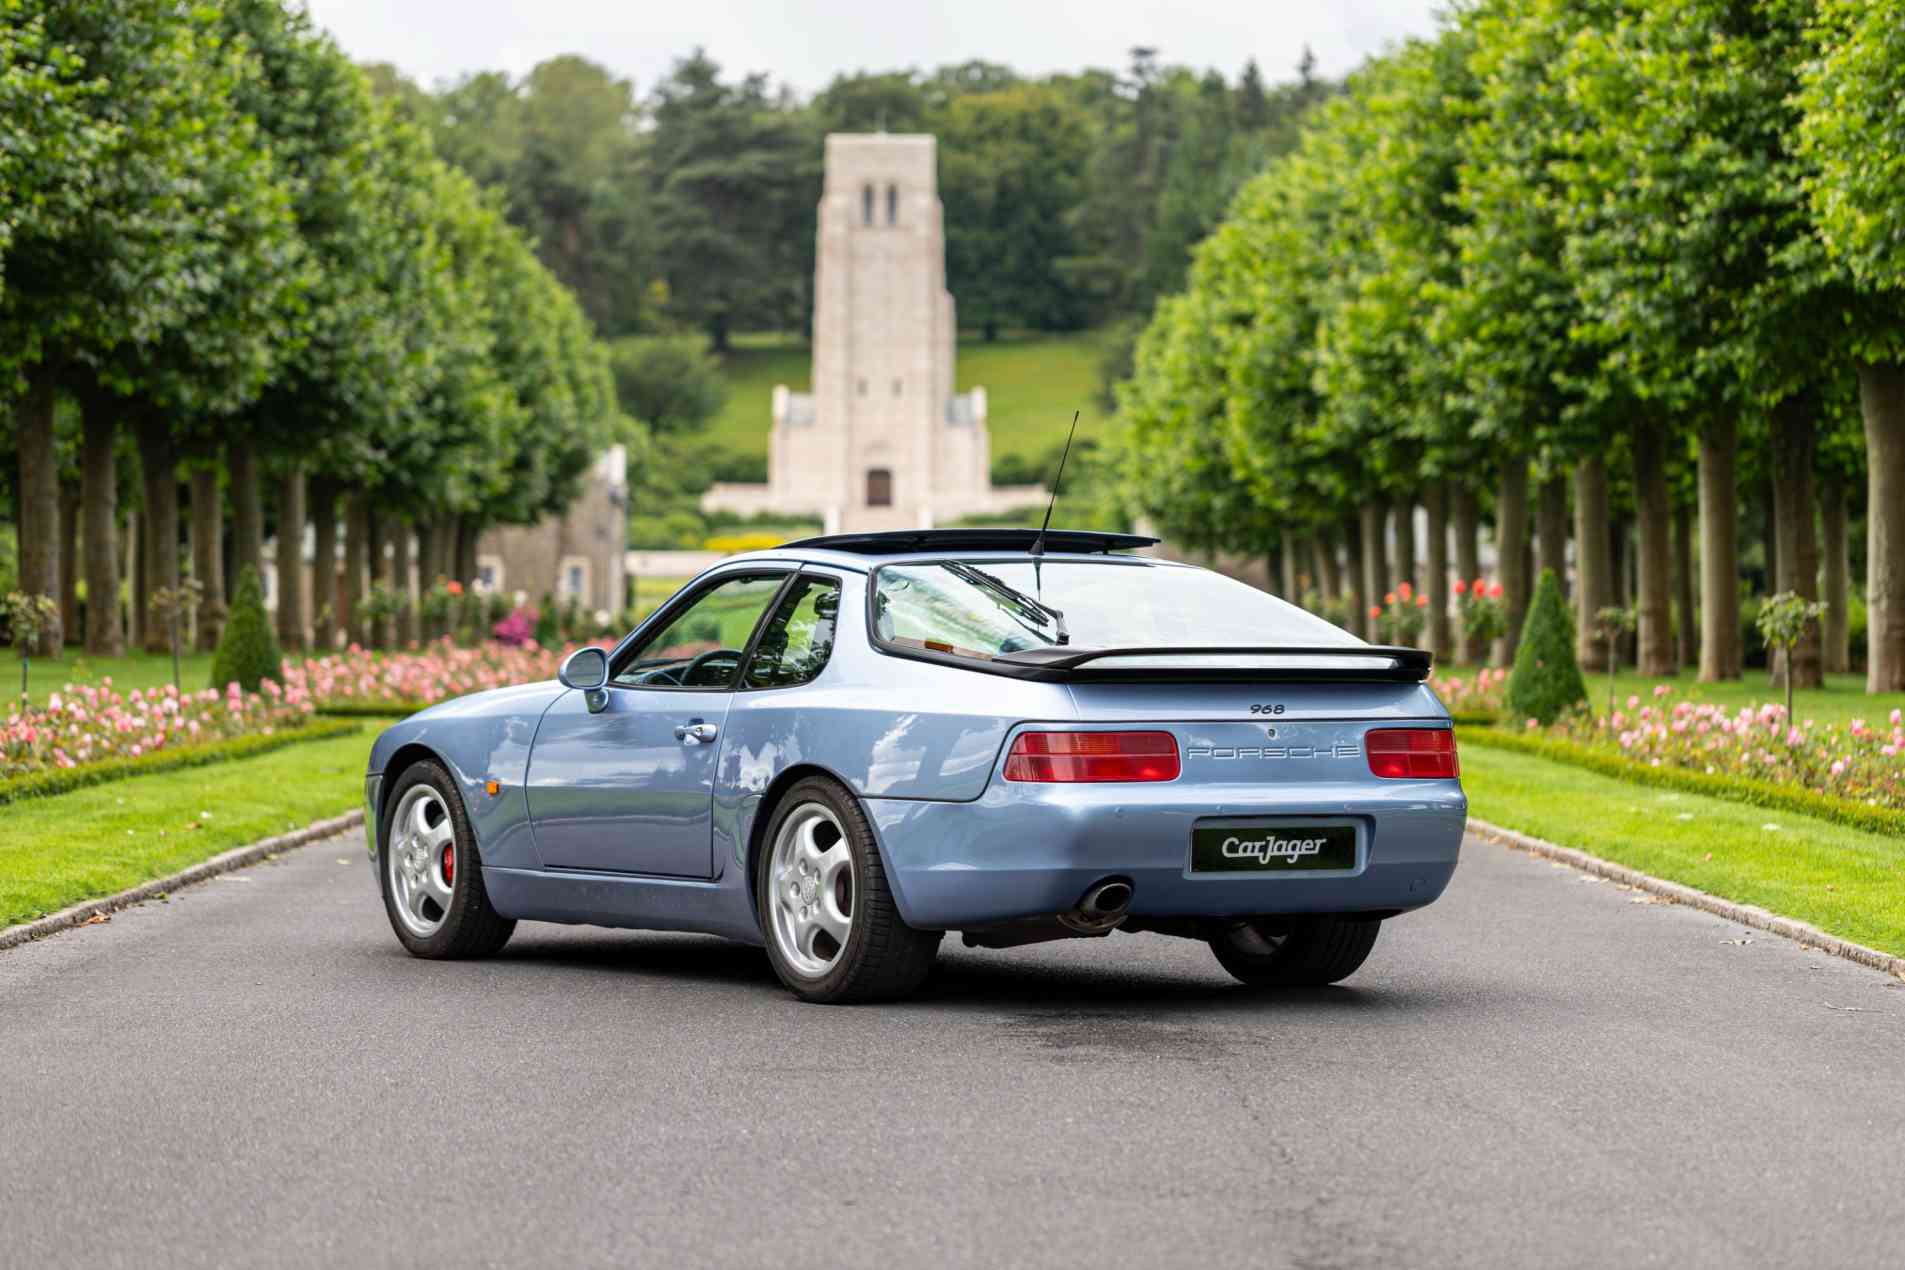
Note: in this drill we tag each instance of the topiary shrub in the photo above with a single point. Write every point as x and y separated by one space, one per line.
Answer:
1546 681
247 652
548 633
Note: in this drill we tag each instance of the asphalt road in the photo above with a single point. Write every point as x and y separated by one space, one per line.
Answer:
1538 1070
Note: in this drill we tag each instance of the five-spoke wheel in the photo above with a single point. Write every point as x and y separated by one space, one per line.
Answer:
833 929
432 876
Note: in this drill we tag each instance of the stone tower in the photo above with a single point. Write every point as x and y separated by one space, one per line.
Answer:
881 441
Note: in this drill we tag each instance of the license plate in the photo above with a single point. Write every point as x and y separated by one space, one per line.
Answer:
1264 847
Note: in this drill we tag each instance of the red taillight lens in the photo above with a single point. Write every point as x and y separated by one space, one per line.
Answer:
1412 753
1092 756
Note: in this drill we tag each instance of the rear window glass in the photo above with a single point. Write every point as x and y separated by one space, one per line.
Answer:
986 608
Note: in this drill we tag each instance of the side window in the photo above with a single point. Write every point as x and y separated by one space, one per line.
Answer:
798 639
701 647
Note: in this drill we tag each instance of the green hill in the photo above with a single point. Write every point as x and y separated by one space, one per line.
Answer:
1032 382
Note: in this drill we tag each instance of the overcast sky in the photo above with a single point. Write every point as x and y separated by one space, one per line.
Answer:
806 44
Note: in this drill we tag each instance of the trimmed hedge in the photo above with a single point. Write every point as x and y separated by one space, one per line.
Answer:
64 780
370 709
1739 789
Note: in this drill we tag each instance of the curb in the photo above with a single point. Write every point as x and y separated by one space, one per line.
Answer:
1745 914
236 858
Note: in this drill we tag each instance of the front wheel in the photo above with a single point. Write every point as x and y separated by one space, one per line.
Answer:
1296 952
432 876
833 931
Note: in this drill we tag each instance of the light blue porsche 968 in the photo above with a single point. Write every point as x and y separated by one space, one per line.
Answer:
848 746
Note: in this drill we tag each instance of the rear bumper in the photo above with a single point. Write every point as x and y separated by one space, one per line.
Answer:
1029 851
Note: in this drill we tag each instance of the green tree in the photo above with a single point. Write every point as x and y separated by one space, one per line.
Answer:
670 382
1546 681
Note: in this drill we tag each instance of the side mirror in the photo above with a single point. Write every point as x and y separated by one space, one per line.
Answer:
586 669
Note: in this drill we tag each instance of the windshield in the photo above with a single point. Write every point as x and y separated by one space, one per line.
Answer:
989 608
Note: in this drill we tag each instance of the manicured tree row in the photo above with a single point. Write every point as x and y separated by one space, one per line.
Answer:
217 242
1569 263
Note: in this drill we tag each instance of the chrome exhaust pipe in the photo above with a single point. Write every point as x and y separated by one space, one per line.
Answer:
1101 909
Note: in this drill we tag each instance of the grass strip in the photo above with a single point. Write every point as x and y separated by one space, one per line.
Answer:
64 780
1743 789
93 842
1843 880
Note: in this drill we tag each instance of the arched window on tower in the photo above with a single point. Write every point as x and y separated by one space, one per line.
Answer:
866 204
892 204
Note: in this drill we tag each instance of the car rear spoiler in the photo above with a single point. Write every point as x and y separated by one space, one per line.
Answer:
1338 664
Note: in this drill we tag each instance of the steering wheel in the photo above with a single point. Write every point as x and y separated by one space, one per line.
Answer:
687 676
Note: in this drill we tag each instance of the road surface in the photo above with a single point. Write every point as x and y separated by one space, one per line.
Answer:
1541 1069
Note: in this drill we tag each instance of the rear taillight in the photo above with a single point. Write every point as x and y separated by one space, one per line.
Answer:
1092 756
1412 753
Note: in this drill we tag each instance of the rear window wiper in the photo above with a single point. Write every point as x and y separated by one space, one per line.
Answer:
1025 605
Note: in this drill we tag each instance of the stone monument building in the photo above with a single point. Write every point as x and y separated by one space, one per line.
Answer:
882 441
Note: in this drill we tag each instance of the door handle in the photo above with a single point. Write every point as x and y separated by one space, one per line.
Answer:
696 733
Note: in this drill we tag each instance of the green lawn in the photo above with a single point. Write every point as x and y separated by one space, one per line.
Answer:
1032 383
92 842
1842 699
1842 880
135 670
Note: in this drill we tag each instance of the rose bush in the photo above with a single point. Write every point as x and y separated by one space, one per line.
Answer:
431 673
86 723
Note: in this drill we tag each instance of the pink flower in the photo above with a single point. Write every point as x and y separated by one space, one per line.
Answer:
1461 587
1494 590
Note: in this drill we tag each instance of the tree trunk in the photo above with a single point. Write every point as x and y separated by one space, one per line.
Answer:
159 470
403 628
1686 621
1329 569
1654 520
376 540
1594 559
1795 437
1882 402
1353 577
248 514
1435 500
99 524
356 565
1836 637
1511 551
467 532
1403 567
69 557
322 494
291 560
39 498
1551 529
1468 565
1769 533
1720 652
208 559
136 550
1375 565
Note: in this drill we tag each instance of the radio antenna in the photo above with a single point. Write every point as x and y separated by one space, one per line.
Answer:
1038 543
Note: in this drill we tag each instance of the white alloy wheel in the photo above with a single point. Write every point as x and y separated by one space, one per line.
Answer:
814 890
423 862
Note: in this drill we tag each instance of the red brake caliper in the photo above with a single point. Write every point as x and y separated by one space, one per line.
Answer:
449 862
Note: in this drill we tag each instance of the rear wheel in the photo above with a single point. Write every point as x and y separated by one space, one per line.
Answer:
1295 952
833 931
432 875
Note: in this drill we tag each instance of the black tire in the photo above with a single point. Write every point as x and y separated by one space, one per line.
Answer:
470 927
883 958
1303 952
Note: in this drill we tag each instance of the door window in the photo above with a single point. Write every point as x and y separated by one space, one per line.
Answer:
702 645
798 639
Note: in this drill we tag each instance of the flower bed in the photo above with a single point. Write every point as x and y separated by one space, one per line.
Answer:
88 724
355 679
1859 762
1476 698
